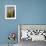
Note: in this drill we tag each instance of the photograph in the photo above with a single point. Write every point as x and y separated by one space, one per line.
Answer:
28 33
10 11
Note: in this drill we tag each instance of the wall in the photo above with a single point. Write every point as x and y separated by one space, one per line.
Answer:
27 12
6 26
31 11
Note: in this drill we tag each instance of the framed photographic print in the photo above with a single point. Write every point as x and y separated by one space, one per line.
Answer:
33 32
10 11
